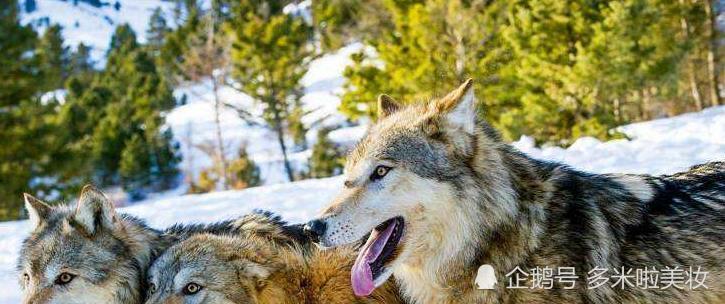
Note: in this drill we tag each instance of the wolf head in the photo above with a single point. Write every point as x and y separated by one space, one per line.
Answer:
208 268
409 178
82 254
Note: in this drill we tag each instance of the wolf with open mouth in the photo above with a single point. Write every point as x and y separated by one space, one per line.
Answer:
440 194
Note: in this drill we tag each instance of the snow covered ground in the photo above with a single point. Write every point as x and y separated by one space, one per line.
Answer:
659 146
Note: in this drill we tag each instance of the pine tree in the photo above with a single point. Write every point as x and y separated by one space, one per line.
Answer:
157 30
222 11
16 69
165 160
134 167
124 106
122 42
547 37
713 58
187 17
639 45
207 182
80 62
556 70
24 133
53 58
297 129
78 120
327 159
207 58
271 52
700 65
689 28
244 172
22 128
338 22
107 143
333 19
431 47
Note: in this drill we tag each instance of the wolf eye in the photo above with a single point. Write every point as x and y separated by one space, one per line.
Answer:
152 288
64 278
26 278
191 289
380 172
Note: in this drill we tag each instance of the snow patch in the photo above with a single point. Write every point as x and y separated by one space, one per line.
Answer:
661 146
92 25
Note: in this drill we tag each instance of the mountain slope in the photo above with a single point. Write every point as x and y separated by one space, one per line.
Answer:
93 25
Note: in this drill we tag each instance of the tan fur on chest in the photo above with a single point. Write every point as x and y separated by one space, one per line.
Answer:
320 277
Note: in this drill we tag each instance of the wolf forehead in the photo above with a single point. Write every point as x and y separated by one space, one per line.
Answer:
52 245
203 252
203 247
57 243
405 138
185 253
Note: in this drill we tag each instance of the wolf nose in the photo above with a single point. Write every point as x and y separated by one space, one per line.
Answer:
316 228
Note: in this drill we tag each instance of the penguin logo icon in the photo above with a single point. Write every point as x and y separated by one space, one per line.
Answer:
486 277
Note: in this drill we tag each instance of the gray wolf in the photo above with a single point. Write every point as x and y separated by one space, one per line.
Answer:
208 268
88 253
441 194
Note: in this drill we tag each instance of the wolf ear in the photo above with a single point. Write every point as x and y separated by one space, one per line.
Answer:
94 210
459 107
38 211
386 106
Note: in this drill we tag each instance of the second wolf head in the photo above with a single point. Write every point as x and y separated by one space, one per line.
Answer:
213 269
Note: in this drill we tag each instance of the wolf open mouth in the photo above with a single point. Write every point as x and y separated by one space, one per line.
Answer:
373 256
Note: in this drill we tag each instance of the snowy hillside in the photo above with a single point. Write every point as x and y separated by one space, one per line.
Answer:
193 123
92 25
659 146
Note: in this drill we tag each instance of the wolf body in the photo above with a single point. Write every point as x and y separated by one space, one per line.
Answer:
88 253
442 195
213 269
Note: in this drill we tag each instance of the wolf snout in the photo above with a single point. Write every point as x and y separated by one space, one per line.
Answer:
315 229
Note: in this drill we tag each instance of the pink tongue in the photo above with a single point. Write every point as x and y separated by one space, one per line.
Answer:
362 275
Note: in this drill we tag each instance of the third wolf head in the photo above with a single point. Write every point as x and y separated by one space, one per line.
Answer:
84 253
